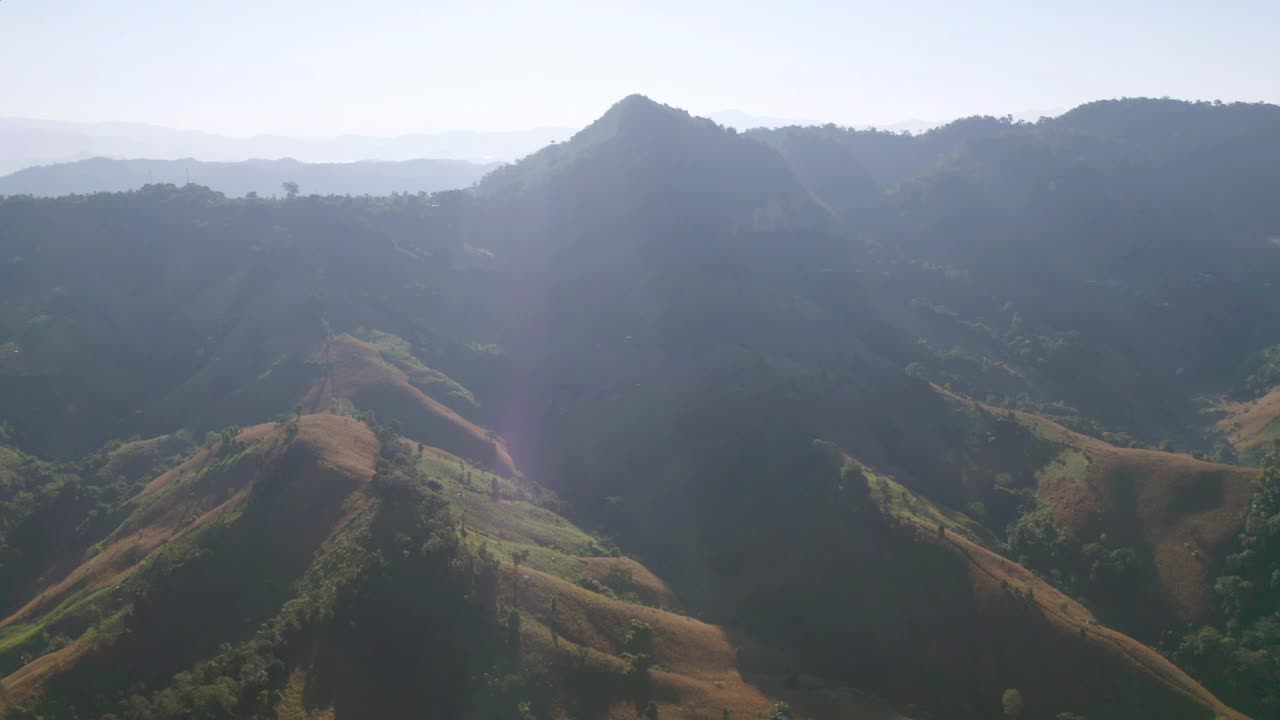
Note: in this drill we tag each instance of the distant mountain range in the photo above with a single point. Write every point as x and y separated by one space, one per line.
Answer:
28 142
31 142
265 177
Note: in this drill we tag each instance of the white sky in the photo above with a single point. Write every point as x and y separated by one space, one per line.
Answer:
390 66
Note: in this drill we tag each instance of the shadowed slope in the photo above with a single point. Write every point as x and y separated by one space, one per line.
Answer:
1004 615
1104 666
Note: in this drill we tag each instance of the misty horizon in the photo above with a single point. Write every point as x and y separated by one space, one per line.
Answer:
731 117
322 69
37 142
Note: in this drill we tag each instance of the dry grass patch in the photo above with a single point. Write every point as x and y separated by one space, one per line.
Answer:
358 374
1252 425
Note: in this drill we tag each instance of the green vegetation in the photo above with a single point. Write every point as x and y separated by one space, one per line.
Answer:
1239 657
1262 373
51 510
520 523
397 351
1012 703
1096 572
894 500
780 711
395 573
1026 254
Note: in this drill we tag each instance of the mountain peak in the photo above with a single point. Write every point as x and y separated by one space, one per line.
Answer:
638 101
635 126
638 112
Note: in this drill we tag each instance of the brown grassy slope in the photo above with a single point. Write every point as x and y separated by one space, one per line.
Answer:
1251 426
22 685
1034 643
135 459
149 528
358 374
1185 512
331 460
650 588
164 513
1067 655
965 626
582 658
920 614
699 674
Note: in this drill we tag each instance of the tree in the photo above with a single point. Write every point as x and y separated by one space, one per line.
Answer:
518 557
1012 702
650 711
290 189
780 711
639 637
495 493
228 437
513 629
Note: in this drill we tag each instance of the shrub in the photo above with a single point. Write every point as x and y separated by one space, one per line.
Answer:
1012 703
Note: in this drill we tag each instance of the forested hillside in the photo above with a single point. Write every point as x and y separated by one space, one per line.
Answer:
665 420
1118 262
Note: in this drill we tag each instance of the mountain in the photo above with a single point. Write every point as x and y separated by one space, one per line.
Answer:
1126 235
31 142
263 177
872 445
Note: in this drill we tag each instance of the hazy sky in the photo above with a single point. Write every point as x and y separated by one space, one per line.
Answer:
389 66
